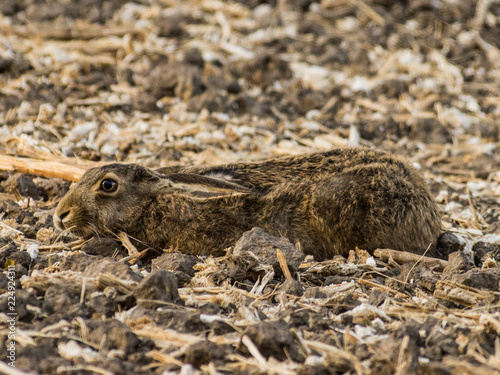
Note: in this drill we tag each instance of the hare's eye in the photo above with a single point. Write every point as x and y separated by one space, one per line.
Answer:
108 185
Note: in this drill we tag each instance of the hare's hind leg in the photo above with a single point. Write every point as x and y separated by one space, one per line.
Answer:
375 210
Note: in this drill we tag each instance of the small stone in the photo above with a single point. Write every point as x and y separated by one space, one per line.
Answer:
291 286
263 69
264 246
272 339
29 358
175 262
456 264
337 279
182 321
102 305
193 56
160 286
204 352
25 186
314 292
478 279
447 243
59 297
480 249
115 333
171 27
117 269
21 257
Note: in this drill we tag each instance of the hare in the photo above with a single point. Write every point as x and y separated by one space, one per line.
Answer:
327 203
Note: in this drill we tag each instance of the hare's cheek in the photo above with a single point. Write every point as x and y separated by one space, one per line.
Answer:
112 218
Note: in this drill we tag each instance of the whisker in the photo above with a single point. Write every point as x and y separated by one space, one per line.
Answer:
62 233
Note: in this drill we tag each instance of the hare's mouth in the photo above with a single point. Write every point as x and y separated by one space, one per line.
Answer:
86 231
79 232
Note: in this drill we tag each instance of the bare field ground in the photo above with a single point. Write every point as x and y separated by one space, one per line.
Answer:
170 82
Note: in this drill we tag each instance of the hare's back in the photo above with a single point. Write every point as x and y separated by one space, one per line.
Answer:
300 168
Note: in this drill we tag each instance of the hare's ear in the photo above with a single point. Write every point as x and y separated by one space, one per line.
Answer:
168 170
198 186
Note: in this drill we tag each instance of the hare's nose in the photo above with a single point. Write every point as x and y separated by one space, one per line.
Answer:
58 219
62 215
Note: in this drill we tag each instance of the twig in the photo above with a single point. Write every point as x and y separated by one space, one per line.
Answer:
104 280
177 338
323 348
40 168
403 364
7 370
283 264
366 9
477 218
80 30
166 359
125 240
133 259
460 293
382 287
403 257
471 205
481 11
84 289
300 342
8 227
417 262
254 351
268 368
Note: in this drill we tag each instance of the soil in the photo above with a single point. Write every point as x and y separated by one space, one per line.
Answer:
165 83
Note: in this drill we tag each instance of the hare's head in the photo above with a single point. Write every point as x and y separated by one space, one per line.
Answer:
107 198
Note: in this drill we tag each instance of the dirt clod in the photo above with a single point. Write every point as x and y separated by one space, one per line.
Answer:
160 286
204 352
292 287
263 246
274 339
180 264
112 334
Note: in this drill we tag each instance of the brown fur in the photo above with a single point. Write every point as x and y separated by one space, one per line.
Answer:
327 202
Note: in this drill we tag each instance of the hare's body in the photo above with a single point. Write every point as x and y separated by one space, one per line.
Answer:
327 202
